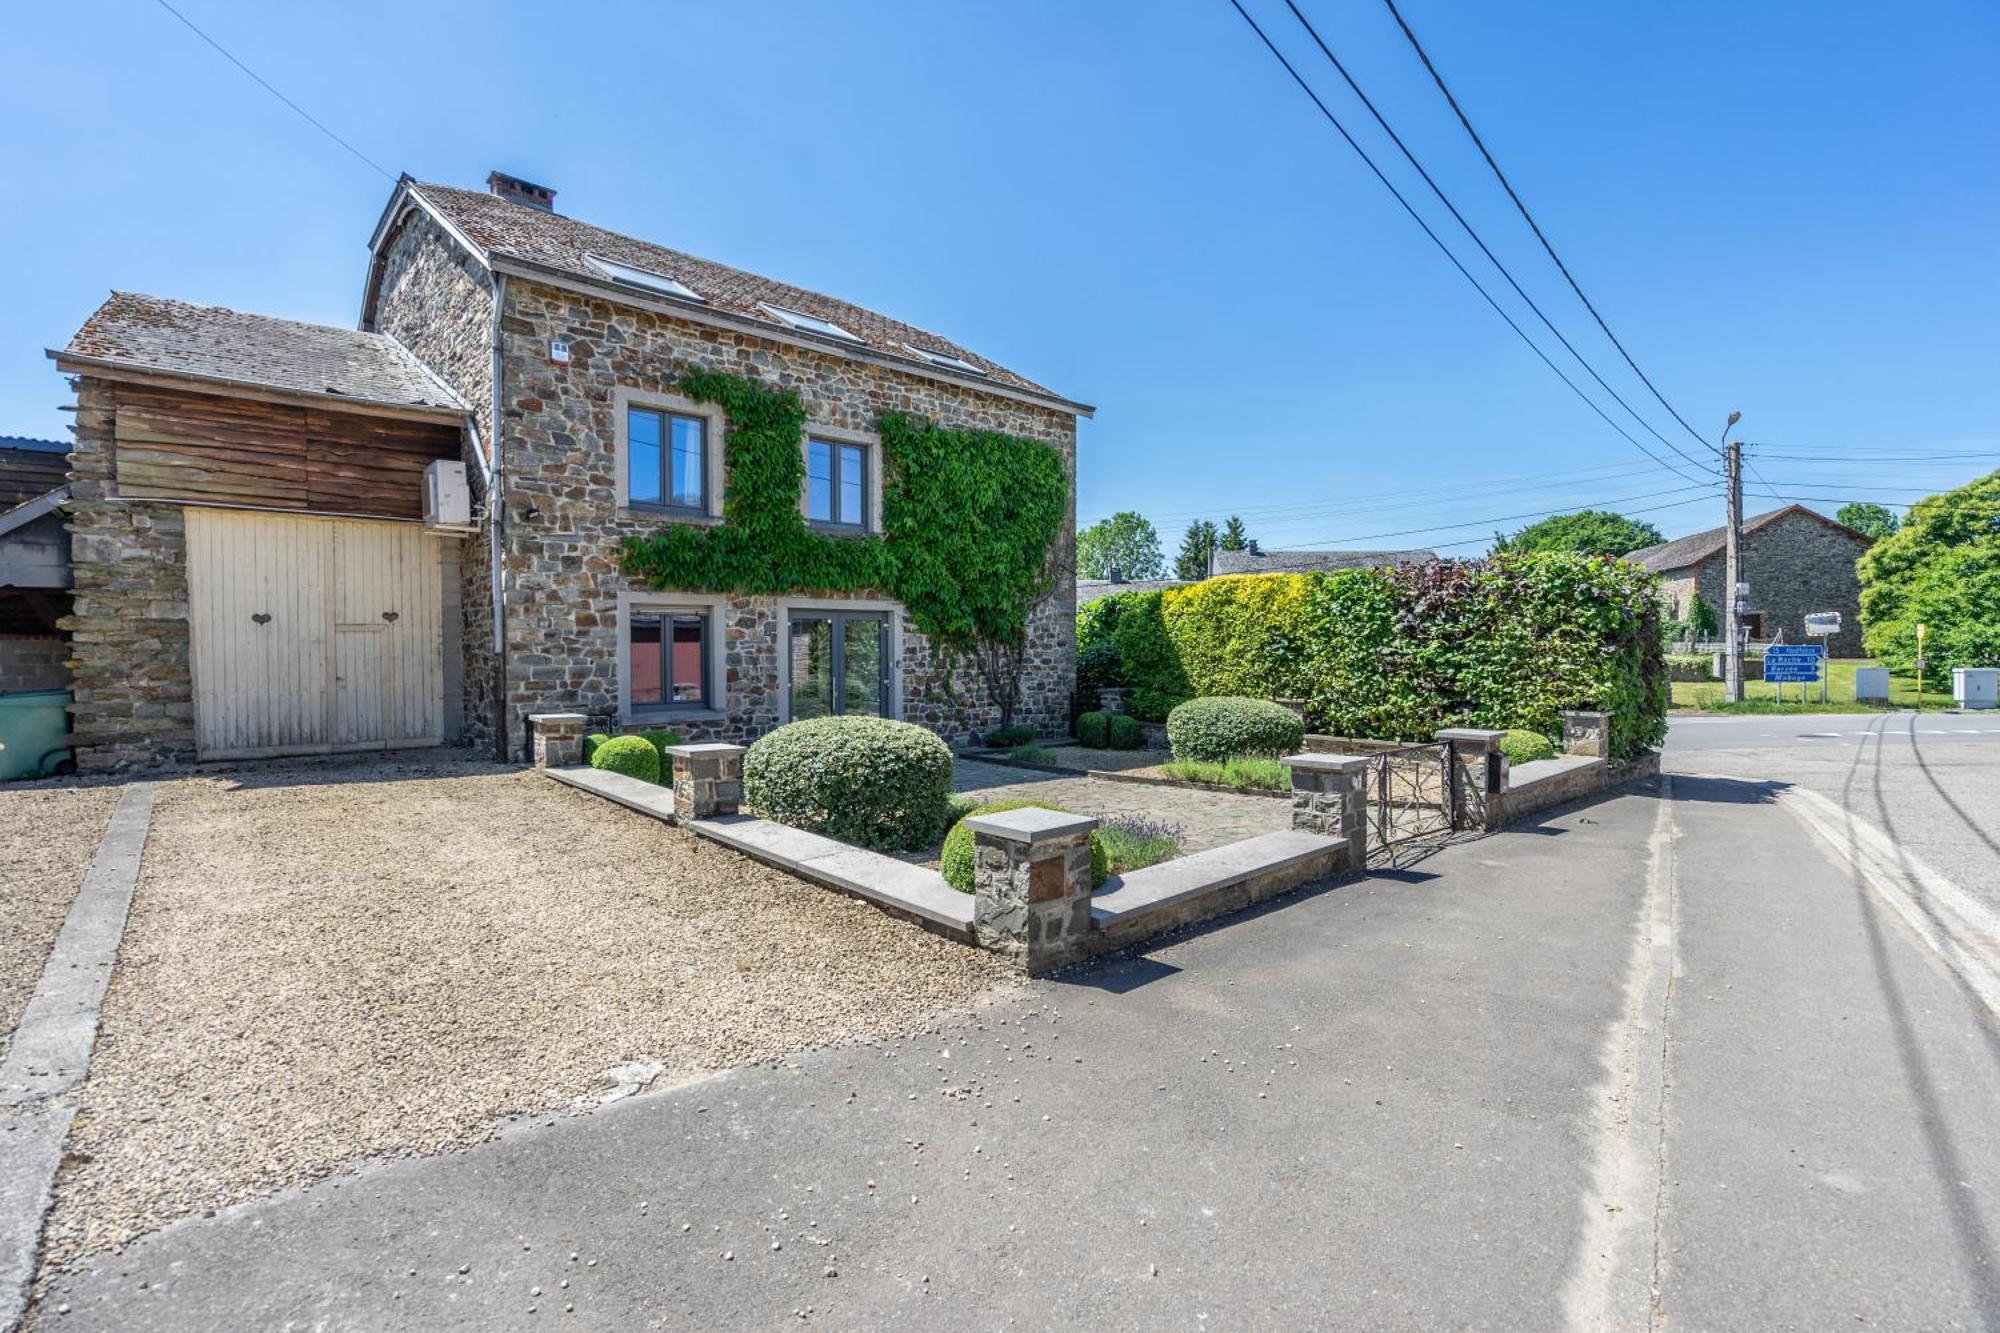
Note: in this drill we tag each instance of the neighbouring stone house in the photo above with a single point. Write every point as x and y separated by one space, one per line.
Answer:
541 353
1795 560
34 564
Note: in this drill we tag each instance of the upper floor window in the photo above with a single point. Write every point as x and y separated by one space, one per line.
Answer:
644 279
837 484
810 323
945 359
666 459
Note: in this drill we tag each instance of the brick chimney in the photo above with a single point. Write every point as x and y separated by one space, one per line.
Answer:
517 191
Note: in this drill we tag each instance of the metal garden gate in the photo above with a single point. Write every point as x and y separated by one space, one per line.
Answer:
1410 802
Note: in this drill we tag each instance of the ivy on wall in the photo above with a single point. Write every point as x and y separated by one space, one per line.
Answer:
968 519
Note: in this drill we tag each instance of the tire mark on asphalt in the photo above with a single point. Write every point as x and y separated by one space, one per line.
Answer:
1617 1276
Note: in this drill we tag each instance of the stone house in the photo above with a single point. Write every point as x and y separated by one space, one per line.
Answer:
1795 560
542 355
34 564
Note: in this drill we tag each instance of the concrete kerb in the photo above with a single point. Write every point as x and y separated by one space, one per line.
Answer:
50 1054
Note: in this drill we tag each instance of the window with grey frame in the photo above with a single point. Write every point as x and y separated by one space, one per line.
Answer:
837 485
666 460
668 652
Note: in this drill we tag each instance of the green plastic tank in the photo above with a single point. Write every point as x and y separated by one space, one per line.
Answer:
34 728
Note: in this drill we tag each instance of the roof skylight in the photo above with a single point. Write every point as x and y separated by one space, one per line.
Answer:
810 323
945 359
644 279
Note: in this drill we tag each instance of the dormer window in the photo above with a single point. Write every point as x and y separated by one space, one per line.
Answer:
945 359
826 328
644 279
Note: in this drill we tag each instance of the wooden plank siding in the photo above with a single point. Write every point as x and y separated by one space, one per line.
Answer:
173 445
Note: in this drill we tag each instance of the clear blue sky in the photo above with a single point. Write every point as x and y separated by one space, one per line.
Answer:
1786 208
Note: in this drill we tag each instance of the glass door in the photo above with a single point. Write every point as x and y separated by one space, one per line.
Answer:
839 663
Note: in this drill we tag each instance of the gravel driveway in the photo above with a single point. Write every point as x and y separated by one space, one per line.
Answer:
47 838
329 965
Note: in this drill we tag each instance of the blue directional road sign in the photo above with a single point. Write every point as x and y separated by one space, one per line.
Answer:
1793 663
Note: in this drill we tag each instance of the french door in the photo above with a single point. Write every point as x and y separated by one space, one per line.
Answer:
840 664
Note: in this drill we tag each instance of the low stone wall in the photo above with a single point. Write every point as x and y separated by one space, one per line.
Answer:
1571 782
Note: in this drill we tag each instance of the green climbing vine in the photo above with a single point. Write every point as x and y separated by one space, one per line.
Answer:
968 519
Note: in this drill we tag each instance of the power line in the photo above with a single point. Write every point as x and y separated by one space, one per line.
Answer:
265 84
1417 217
1534 226
1707 489
1477 239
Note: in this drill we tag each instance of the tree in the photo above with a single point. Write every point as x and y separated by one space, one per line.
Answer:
1941 570
1125 542
1196 548
1234 538
1869 519
1586 532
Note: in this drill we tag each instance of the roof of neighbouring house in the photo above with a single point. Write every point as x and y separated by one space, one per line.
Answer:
1698 546
29 468
160 336
502 228
1253 561
1090 590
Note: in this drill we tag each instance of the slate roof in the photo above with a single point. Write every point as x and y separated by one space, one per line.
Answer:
1090 590
153 333
1305 562
1698 546
505 229
29 468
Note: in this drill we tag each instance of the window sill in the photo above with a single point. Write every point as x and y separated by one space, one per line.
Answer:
667 716
649 514
841 530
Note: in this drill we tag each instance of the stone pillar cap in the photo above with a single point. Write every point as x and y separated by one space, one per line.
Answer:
705 750
559 717
1585 712
1030 825
1326 763
1478 735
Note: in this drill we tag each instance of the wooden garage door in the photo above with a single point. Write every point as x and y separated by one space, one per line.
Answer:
312 635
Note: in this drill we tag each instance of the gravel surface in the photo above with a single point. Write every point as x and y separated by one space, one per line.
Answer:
47 838
325 966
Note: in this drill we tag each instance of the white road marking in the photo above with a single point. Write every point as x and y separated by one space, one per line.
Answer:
1959 928
1618 1269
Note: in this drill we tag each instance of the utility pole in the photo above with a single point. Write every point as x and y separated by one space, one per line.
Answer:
1732 657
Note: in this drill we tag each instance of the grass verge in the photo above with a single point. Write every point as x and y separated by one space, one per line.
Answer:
1242 774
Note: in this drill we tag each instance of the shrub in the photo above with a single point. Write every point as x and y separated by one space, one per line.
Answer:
1242 773
1690 666
660 738
1006 738
1093 731
1942 571
591 742
1398 653
1031 754
1524 747
955 861
634 756
868 781
1224 727
1133 842
1098 667
1126 733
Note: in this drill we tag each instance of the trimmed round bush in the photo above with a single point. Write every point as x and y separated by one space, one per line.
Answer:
591 742
1126 733
634 756
868 781
1093 731
1522 747
1224 727
955 861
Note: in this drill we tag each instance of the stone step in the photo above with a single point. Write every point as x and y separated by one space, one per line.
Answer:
894 884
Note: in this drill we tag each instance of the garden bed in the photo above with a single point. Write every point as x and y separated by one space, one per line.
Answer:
1165 775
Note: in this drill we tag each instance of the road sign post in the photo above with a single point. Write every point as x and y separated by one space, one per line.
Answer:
1801 664
1821 625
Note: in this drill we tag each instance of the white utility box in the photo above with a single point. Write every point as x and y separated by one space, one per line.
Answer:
1871 684
447 499
1975 687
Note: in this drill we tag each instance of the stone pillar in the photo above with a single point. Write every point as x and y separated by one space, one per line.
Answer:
1587 734
1479 774
1114 701
557 739
1031 885
708 780
1330 798
1295 706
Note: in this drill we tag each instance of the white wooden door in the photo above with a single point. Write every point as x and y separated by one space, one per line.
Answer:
311 635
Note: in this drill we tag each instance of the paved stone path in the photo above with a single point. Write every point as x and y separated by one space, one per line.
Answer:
1210 819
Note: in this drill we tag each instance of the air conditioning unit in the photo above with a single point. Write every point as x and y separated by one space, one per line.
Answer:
447 500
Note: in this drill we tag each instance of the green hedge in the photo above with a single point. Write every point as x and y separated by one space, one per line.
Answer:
634 756
1941 570
1126 733
1093 731
1217 729
868 781
1398 653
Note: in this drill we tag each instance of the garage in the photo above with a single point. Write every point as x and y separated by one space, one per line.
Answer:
312 635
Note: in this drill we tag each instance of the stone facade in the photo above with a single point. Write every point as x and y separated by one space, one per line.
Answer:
563 522
1795 564
128 622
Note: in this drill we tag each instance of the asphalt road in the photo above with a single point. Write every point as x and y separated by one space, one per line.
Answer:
1671 1060
1821 730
